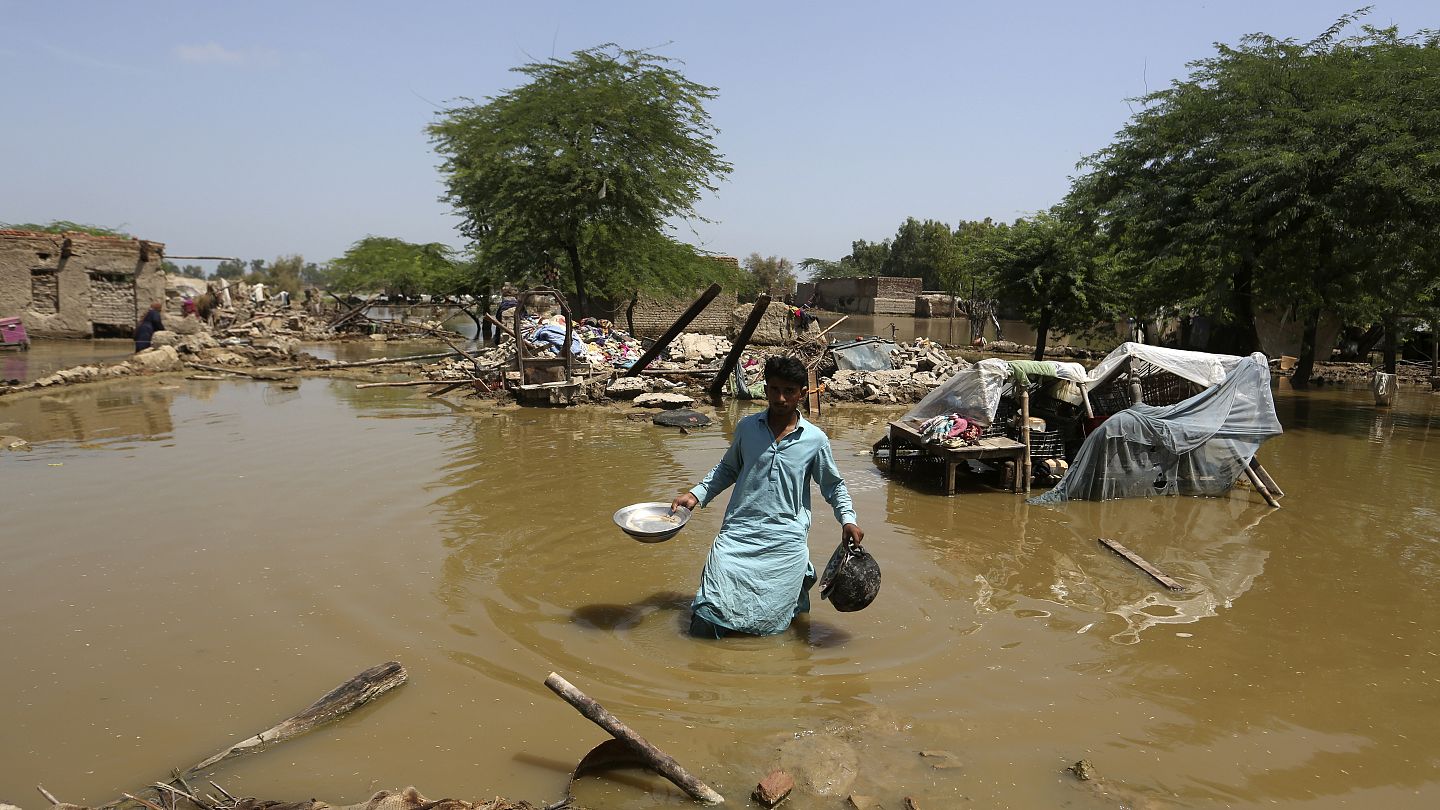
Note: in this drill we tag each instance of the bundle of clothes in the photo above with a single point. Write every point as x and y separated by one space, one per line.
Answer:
593 340
950 430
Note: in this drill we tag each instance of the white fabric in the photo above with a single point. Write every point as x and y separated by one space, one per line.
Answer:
1198 367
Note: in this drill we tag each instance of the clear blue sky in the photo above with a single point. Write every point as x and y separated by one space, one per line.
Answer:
263 128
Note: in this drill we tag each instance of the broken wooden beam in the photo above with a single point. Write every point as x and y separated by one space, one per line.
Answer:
675 329
343 699
661 762
717 386
1141 563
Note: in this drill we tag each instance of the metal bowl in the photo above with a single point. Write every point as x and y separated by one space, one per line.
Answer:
651 522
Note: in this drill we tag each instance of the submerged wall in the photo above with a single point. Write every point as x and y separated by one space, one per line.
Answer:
76 285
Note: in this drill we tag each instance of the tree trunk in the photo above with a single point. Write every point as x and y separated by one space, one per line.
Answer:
1247 337
1305 366
630 312
1042 330
1369 340
582 301
1392 341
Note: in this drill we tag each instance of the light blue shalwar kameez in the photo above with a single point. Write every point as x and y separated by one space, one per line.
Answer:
759 567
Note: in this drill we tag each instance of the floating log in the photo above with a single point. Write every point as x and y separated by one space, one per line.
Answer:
717 386
379 361
661 762
409 383
675 329
1141 563
343 699
258 374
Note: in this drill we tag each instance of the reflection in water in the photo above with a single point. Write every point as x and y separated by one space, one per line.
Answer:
261 545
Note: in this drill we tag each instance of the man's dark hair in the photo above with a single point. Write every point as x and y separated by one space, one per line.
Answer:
787 369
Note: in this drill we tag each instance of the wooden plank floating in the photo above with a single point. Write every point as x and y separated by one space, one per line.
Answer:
1141 563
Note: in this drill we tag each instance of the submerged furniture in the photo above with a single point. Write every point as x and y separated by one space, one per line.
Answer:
905 435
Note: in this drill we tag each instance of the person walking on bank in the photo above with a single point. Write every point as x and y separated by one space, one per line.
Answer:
148 326
758 575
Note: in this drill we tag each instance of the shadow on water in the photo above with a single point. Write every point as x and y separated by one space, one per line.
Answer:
626 617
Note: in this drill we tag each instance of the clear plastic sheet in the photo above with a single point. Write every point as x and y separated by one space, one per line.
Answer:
1196 447
865 355
973 393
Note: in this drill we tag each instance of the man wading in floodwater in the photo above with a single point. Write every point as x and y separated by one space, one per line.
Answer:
758 575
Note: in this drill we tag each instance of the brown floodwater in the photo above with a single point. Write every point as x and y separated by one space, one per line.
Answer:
186 563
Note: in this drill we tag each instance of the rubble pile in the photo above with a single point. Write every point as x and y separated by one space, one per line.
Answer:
1008 347
919 367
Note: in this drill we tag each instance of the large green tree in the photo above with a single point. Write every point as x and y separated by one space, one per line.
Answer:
1278 174
400 268
768 274
1049 267
581 167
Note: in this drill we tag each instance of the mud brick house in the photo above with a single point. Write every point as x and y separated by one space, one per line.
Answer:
77 285
875 295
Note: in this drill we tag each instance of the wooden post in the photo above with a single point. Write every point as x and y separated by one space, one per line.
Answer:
1265 477
663 763
1085 397
1260 487
1137 391
717 386
812 396
1025 470
675 328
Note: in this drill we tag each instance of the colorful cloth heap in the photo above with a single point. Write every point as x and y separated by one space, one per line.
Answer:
950 430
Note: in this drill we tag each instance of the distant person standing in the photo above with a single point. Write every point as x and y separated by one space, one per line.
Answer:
257 293
148 326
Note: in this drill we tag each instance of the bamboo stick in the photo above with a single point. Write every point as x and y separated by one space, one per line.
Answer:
1260 487
826 330
379 361
1265 476
663 763
1025 471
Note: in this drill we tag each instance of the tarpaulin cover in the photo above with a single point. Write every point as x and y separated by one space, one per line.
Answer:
865 355
974 393
1196 447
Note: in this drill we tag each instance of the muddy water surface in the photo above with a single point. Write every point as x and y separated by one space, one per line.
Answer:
186 563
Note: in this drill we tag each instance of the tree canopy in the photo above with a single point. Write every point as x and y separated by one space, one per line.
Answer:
1281 174
768 274
400 268
580 168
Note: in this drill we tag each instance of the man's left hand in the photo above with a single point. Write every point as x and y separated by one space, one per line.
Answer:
853 533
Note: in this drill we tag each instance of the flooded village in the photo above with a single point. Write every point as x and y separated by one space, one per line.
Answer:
566 511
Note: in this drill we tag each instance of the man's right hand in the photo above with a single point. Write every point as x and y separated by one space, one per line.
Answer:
684 499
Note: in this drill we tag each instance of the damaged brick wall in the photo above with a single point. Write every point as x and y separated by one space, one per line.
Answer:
77 285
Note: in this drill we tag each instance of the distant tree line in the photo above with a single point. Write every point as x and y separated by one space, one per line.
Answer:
1294 176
